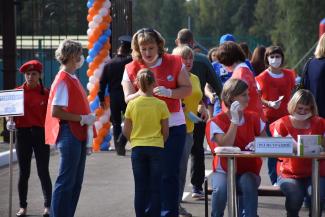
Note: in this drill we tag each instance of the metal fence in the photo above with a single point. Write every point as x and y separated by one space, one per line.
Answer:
42 24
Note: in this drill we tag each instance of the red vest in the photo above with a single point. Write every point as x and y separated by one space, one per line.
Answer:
77 104
245 134
272 88
35 105
292 167
165 75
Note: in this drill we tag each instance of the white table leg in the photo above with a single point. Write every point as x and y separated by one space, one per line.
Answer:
231 187
315 188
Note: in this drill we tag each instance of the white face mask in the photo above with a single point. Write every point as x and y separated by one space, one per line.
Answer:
81 62
275 62
152 61
299 117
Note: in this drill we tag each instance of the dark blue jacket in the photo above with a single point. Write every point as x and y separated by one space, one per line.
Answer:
315 82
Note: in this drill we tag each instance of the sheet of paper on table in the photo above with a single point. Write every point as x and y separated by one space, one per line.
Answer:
276 145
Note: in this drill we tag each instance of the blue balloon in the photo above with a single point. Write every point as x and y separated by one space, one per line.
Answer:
102 39
104 146
89 59
108 137
94 104
92 53
98 46
89 4
108 32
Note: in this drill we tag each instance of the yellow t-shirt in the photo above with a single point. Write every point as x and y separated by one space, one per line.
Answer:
146 114
191 102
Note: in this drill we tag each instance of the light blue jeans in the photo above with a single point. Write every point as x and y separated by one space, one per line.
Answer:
183 164
67 187
247 184
295 190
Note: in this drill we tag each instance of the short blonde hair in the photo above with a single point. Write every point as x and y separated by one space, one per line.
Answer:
184 51
146 36
320 49
232 88
67 49
304 97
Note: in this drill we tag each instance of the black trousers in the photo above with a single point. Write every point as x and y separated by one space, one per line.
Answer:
197 156
117 105
29 140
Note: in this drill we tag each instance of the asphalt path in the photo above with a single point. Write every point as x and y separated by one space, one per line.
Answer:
108 190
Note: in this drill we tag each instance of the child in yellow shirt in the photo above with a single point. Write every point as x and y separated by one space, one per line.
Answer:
146 127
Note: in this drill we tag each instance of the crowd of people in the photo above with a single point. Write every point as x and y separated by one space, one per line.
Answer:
170 104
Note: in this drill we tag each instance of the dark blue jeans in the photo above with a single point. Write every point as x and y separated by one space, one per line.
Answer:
172 154
146 165
71 172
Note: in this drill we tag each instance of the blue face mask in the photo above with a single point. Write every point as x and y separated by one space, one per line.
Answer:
193 117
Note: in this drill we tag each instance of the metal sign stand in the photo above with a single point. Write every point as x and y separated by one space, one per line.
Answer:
11 141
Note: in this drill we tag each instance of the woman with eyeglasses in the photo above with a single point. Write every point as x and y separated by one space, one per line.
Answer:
172 84
275 85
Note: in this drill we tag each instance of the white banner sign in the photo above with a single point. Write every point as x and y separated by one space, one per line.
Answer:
12 103
278 145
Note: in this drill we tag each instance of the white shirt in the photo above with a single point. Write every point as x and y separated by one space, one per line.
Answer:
61 97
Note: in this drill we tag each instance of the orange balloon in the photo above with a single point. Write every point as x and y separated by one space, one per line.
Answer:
97 5
90 72
92 11
107 125
90 17
90 98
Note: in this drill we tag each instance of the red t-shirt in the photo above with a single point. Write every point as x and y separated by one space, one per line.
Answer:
272 88
34 107
292 167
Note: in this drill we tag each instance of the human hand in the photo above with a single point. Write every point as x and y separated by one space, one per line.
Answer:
11 125
234 112
87 119
203 112
250 146
162 91
274 104
213 98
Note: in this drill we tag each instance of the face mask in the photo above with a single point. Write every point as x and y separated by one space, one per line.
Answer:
275 62
81 62
299 117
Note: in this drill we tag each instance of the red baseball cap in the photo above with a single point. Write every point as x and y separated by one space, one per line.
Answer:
32 65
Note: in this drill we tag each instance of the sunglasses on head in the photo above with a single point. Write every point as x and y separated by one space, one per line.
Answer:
143 30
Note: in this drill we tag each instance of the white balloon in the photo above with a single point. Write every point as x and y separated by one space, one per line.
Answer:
107 113
103 12
90 86
103 119
92 25
93 79
97 73
98 18
89 32
107 4
98 125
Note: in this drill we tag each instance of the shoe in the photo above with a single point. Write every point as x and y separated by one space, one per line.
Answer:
183 212
46 212
21 212
120 145
197 194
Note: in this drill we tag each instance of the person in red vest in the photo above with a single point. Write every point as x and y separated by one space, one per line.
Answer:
30 136
172 84
275 85
233 58
237 128
67 119
295 174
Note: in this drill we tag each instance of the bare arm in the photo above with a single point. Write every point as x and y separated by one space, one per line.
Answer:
184 86
164 129
129 91
127 128
60 113
228 138
208 92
